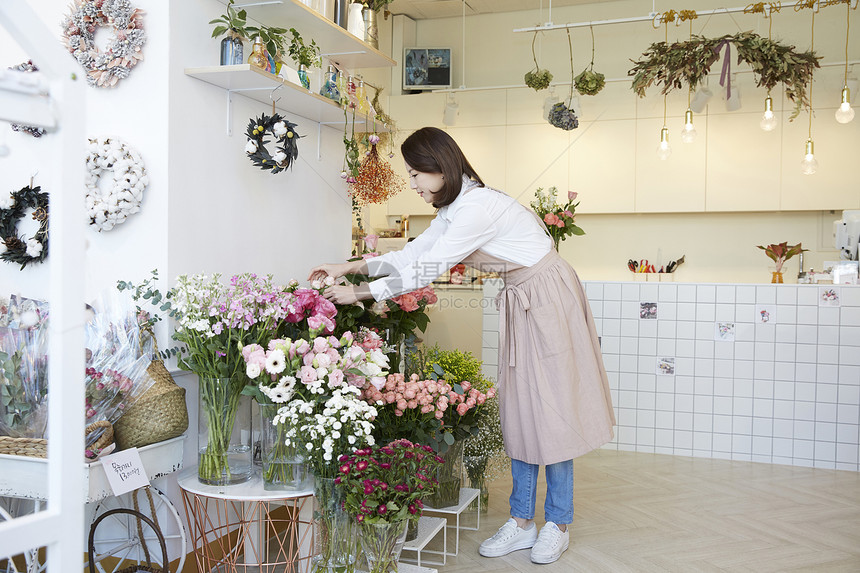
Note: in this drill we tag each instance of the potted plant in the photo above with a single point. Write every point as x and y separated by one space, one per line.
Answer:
232 23
779 253
306 56
274 40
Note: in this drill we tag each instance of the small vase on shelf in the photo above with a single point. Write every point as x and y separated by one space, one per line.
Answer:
448 477
303 76
231 51
776 277
258 55
329 87
371 31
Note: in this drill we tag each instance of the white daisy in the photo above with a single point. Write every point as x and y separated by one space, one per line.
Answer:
276 361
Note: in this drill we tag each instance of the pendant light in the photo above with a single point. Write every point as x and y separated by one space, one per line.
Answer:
769 120
664 150
688 132
809 165
845 114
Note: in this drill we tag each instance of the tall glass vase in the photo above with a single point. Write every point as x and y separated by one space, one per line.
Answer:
476 471
223 432
284 468
449 477
382 544
335 539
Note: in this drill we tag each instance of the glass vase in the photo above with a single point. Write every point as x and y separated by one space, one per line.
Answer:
475 471
303 77
335 536
223 432
231 51
329 87
448 476
284 468
382 544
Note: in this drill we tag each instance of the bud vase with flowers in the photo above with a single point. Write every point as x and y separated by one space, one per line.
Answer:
559 219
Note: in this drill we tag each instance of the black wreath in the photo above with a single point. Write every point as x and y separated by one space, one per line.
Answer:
288 142
16 247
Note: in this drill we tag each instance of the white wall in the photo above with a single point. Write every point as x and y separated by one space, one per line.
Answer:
734 188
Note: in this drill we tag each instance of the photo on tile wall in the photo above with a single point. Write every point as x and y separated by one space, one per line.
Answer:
828 296
724 331
765 313
665 366
647 310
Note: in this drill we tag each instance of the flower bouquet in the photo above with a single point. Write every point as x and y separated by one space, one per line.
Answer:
384 487
23 382
559 219
214 322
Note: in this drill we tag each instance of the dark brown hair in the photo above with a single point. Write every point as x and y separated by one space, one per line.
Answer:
431 150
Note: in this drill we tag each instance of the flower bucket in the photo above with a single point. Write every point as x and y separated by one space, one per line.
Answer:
223 432
284 468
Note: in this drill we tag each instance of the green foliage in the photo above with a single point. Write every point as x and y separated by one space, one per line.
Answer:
687 63
232 22
377 5
148 292
455 366
302 54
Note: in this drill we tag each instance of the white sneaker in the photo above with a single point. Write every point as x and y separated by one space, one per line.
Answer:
510 537
551 543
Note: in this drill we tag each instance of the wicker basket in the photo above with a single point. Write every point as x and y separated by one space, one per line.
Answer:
38 447
158 415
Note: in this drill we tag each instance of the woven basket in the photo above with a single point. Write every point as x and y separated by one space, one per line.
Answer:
38 447
158 415
30 447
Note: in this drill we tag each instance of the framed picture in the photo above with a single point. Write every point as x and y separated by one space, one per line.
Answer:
426 68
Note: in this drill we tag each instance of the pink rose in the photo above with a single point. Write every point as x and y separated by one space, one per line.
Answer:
560 224
462 409
246 352
439 414
466 385
371 241
315 322
407 302
308 374
335 378
550 219
571 195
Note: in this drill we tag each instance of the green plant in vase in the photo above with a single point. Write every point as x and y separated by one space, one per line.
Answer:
233 24
274 39
306 56
779 253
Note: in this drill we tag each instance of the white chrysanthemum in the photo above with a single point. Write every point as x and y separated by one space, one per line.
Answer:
276 362
251 146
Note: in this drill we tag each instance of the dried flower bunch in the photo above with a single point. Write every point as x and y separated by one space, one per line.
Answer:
537 79
688 63
376 181
589 82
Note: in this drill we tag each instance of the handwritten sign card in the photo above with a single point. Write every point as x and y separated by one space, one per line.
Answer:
125 471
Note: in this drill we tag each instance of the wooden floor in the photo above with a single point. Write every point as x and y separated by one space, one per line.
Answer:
649 512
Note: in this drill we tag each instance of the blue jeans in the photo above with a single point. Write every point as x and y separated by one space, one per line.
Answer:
558 506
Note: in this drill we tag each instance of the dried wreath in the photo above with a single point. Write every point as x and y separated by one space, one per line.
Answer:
286 142
123 52
27 66
680 63
563 115
16 249
109 208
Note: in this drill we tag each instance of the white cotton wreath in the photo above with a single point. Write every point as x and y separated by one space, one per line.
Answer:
112 205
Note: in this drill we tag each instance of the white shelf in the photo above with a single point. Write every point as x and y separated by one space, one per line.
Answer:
336 44
22 476
257 84
467 496
428 528
407 568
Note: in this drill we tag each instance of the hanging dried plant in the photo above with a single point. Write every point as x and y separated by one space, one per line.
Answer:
688 63
589 82
537 79
376 182
562 114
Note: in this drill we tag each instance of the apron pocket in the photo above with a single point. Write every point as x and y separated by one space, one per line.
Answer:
549 330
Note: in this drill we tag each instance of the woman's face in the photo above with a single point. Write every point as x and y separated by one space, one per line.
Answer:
425 184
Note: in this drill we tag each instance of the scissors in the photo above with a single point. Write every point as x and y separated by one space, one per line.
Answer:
643 266
631 264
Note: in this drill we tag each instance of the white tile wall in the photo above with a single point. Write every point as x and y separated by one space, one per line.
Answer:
785 392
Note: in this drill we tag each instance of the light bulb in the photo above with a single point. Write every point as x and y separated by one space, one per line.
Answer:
809 165
845 114
688 133
664 150
768 120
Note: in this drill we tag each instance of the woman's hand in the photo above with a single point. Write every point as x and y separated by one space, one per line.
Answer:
341 294
328 270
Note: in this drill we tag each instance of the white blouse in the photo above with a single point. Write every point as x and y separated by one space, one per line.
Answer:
479 218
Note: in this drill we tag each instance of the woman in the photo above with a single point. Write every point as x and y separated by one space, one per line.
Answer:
553 390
